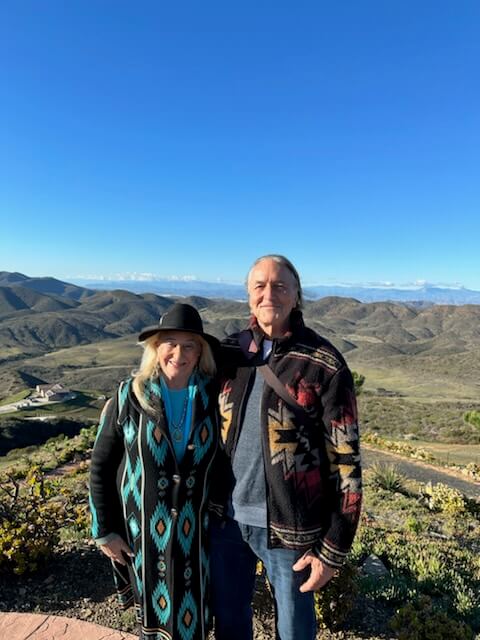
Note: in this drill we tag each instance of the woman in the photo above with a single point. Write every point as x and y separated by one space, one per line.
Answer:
151 467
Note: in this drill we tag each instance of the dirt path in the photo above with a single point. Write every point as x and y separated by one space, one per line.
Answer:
421 471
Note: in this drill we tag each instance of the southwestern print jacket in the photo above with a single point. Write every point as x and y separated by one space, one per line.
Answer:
312 463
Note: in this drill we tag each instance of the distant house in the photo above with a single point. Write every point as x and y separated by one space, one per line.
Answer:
54 392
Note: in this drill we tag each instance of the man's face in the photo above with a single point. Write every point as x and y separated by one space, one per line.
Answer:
272 294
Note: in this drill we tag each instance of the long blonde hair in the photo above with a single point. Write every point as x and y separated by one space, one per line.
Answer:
149 369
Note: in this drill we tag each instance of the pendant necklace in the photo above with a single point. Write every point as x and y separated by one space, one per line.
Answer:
177 427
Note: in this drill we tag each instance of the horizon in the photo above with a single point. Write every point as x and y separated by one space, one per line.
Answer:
153 279
188 141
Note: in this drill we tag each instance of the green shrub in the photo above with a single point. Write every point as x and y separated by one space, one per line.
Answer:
335 601
444 499
387 476
419 620
358 381
473 418
414 525
29 523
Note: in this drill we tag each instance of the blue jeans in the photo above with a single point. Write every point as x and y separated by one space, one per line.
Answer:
234 549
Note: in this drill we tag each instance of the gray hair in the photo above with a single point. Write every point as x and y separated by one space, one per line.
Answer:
284 262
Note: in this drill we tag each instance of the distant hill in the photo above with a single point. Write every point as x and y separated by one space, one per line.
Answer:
440 343
45 285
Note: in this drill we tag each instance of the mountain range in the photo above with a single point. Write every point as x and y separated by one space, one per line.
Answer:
425 293
43 315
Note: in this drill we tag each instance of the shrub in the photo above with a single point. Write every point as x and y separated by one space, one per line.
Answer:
335 601
358 381
419 620
473 418
29 523
387 476
444 499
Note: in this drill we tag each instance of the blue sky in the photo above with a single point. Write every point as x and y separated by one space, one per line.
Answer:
190 139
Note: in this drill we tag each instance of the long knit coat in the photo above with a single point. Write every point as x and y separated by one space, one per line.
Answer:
139 491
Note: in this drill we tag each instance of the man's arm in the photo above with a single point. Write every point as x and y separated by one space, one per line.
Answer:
345 480
343 451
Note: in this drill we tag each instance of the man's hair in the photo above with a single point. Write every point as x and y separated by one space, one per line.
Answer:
285 262
149 367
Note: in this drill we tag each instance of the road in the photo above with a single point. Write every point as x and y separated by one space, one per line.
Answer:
421 472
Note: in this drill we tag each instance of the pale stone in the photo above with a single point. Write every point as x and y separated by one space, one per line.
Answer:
39 626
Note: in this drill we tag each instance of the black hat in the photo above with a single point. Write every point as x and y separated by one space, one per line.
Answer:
180 317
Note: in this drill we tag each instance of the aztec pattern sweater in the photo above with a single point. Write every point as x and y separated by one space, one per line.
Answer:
312 465
139 491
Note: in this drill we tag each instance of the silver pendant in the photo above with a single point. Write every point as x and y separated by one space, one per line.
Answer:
177 435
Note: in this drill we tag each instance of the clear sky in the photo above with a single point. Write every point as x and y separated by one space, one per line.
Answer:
190 138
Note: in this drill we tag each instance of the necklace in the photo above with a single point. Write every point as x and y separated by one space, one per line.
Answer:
177 427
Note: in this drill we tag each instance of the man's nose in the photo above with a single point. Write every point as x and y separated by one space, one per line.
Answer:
269 290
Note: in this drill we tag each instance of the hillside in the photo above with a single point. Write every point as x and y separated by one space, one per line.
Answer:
420 354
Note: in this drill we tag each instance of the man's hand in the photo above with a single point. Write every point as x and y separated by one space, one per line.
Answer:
116 550
320 573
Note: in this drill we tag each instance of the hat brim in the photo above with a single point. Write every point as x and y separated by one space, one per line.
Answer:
151 331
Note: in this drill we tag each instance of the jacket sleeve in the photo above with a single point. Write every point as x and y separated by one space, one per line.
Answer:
106 458
343 459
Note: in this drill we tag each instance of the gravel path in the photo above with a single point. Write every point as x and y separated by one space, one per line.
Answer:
420 471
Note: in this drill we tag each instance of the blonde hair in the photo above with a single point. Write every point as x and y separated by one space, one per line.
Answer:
284 262
149 369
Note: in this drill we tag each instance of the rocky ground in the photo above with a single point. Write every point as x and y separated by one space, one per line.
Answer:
77 583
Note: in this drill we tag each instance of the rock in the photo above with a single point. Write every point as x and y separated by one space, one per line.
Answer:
374 567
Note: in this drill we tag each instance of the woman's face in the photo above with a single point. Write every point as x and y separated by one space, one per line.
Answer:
178 353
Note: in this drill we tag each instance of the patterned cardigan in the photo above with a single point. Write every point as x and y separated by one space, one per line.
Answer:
312 464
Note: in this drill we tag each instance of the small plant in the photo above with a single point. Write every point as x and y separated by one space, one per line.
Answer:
358 381
419 620
414 525
444 499
473 418
335 601
387 477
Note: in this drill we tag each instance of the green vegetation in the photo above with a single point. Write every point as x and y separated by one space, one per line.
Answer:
387 476
55 452
473 418
403 418
21 395
358 381
419 620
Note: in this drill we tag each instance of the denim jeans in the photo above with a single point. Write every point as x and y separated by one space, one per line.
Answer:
234 549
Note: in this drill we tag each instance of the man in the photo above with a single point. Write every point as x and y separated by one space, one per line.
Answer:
294 460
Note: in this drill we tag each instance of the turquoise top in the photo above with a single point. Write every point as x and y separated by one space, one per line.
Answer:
174 401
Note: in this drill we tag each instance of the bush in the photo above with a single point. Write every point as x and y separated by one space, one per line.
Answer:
444 499
29 523
420 621
335 601
358 381
473 418
387 476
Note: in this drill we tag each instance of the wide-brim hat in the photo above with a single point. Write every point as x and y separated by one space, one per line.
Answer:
180 317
